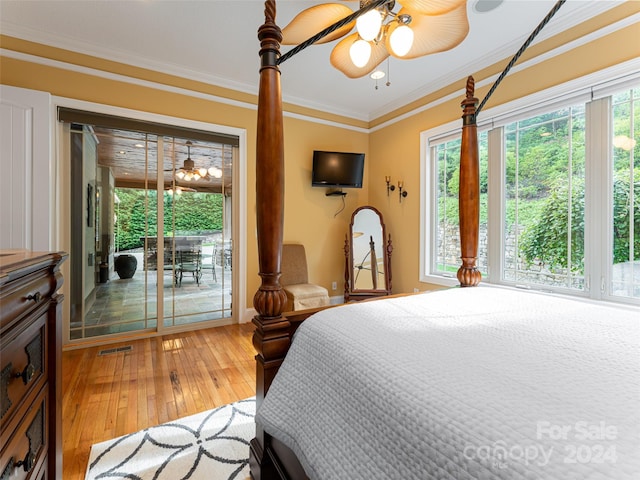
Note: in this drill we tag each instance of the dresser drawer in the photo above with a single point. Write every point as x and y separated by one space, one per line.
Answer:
24 454
23 296
23 369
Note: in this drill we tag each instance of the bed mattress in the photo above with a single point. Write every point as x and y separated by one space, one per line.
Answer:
476 383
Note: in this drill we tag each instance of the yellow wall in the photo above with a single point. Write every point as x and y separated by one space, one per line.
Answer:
310 216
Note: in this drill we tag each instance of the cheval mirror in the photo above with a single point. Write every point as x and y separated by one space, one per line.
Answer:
367 257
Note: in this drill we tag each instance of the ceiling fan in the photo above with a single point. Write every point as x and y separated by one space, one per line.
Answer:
417 28
188 172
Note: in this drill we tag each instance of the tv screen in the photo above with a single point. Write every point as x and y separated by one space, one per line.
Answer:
337 169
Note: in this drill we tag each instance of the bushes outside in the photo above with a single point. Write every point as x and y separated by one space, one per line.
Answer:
190 213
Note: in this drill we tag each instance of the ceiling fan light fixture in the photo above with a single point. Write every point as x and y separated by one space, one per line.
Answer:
189 172
436 26
401 40
368 25
215 172
624 142
360 52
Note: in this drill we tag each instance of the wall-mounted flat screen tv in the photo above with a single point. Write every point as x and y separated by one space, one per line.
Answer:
337 169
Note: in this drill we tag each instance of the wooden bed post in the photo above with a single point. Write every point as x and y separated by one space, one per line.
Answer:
271 335
469 191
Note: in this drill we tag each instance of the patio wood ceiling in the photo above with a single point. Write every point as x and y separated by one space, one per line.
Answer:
133 160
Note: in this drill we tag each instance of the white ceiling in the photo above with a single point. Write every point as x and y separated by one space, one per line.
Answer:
215 41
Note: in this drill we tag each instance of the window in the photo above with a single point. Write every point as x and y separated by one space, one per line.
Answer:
544 199
625 227
447 234
559 195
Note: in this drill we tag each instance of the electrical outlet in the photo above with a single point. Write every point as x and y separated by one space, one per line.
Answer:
415 290
334 285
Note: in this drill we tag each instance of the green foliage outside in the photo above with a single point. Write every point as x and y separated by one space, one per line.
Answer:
190 213
545 240
622 219
542 154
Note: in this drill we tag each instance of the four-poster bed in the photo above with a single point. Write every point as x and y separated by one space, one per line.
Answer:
298 400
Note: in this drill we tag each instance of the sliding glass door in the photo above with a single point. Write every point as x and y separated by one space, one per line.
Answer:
151 232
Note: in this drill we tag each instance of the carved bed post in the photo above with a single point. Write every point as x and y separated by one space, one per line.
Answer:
271 335
469 191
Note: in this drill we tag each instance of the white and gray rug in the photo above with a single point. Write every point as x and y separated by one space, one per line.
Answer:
209 445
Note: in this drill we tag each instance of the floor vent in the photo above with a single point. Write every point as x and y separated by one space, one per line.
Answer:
109 351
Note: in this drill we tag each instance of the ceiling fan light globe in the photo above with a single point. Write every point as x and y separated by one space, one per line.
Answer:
212 171
360 52
188 177
217 173
180 174
624 142
401 40
202 172
368 25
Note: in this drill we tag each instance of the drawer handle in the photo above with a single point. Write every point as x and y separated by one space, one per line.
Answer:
35 297
26 374
28 462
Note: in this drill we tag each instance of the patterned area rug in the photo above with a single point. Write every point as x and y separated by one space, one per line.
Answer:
209 445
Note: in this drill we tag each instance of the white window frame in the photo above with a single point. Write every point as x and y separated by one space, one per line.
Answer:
593 90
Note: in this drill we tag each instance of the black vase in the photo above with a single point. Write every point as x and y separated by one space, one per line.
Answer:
125 265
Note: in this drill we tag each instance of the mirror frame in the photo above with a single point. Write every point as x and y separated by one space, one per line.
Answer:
350 293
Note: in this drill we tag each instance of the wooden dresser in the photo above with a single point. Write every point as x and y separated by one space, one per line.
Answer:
30 362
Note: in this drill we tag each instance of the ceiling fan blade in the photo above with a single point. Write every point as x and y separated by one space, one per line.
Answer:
315 19
435 33
432 7
341 60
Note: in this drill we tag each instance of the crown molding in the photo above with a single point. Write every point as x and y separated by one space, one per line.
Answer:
167 88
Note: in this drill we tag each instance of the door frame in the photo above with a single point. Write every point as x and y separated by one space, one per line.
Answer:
239 312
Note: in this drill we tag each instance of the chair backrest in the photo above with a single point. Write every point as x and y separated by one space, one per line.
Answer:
293 265
190 258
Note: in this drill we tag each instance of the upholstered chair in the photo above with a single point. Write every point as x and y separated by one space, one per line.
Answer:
295 280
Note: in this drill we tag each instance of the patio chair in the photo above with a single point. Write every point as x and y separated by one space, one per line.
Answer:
190 261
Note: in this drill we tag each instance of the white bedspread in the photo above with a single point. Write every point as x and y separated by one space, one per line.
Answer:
476 383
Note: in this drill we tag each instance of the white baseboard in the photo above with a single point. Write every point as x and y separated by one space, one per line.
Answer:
247 315
337 299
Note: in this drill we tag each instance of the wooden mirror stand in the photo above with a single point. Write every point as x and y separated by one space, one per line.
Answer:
367 256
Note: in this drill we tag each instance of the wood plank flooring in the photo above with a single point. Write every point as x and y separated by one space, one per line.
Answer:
159 380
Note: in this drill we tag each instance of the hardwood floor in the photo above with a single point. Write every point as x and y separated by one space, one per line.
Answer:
158 380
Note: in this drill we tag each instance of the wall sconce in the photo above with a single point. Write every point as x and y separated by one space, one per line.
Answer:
403 193
390 188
